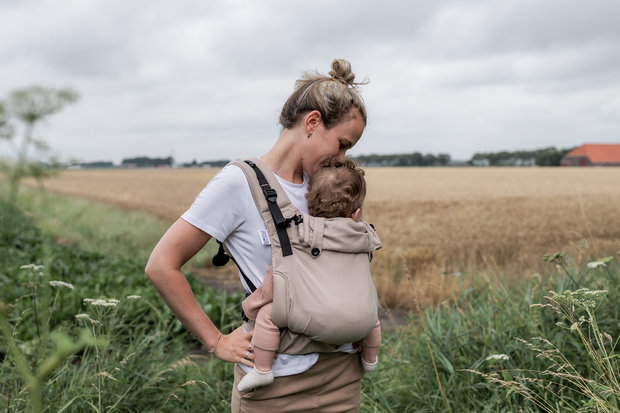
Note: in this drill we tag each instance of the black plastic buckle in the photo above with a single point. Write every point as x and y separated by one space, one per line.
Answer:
283 223
270 194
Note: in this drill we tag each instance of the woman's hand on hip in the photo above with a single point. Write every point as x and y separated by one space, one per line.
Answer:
236 347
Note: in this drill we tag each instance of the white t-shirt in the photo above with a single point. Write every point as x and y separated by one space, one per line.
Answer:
226 210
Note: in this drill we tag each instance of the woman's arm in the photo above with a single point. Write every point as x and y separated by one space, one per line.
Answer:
180 243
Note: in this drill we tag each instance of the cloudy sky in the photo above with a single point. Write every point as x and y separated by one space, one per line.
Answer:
206 80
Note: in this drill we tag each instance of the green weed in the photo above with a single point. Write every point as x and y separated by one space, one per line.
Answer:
495 347
82 331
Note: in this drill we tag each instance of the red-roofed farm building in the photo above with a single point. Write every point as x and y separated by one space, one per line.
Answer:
593 154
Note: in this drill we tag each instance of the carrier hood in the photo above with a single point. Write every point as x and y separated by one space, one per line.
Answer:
338 234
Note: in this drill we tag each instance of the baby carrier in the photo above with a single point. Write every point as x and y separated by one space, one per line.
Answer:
323 291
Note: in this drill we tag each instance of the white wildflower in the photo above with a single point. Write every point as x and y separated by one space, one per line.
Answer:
56 283
594 293
596 264
502 357
83 316
33 267
134 297
102 302
574 327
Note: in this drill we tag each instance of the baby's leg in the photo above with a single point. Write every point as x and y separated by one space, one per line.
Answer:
265 342
370 347
266 339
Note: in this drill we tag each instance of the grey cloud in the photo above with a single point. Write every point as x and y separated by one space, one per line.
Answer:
207 79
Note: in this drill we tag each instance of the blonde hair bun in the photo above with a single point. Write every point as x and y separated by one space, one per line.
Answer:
341 70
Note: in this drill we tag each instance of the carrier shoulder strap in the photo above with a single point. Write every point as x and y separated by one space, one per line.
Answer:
269 196
265 189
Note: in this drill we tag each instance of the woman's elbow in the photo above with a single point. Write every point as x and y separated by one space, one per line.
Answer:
152 270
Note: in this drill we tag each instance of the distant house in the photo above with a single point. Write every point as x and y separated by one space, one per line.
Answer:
593 154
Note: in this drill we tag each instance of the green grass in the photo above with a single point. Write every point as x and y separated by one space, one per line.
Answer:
482 352
134 356
98 227
494 348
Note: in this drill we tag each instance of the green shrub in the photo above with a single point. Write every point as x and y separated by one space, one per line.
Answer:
469 354
128 353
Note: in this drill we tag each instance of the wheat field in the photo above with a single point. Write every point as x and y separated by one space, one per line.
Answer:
438 226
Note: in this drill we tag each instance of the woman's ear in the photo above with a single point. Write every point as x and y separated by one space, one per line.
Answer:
357 215
311 121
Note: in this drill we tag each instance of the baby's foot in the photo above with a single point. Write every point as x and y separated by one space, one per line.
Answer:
368 367
255 378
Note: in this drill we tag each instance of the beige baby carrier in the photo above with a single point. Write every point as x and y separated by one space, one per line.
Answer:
323 294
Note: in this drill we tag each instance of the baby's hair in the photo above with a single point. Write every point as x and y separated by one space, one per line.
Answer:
337 189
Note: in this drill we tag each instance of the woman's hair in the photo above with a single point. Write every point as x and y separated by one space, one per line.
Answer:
337 189
333 96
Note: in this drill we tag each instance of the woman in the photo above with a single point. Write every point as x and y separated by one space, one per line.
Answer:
322 119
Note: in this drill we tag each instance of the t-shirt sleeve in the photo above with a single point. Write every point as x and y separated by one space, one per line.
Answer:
222 205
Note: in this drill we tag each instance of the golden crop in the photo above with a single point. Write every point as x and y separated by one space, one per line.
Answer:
434 222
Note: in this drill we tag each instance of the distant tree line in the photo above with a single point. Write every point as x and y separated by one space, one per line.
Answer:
550 156
404 159
96 164
206 164
146 162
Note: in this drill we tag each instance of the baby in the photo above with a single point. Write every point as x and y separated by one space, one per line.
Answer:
337 190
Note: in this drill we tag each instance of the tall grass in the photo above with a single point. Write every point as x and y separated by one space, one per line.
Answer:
83 331
496 348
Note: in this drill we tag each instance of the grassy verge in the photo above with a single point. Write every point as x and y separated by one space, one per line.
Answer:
98 227
85 331
547 344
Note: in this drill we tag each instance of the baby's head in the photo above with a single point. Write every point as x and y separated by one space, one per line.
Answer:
337 189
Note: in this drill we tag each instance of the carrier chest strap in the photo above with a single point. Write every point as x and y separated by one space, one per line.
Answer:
271 196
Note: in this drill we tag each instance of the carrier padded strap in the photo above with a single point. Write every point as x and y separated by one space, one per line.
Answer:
272 201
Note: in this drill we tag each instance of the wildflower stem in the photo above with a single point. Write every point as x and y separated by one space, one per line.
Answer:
36 314
32 384
52 308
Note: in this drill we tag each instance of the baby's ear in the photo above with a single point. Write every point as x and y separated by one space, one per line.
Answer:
357 215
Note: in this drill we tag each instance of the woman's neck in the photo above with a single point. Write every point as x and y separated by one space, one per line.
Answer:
284 158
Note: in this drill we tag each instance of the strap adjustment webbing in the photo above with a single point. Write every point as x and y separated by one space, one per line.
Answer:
272 202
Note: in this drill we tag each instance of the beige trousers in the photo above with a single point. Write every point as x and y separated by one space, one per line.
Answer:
332 385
